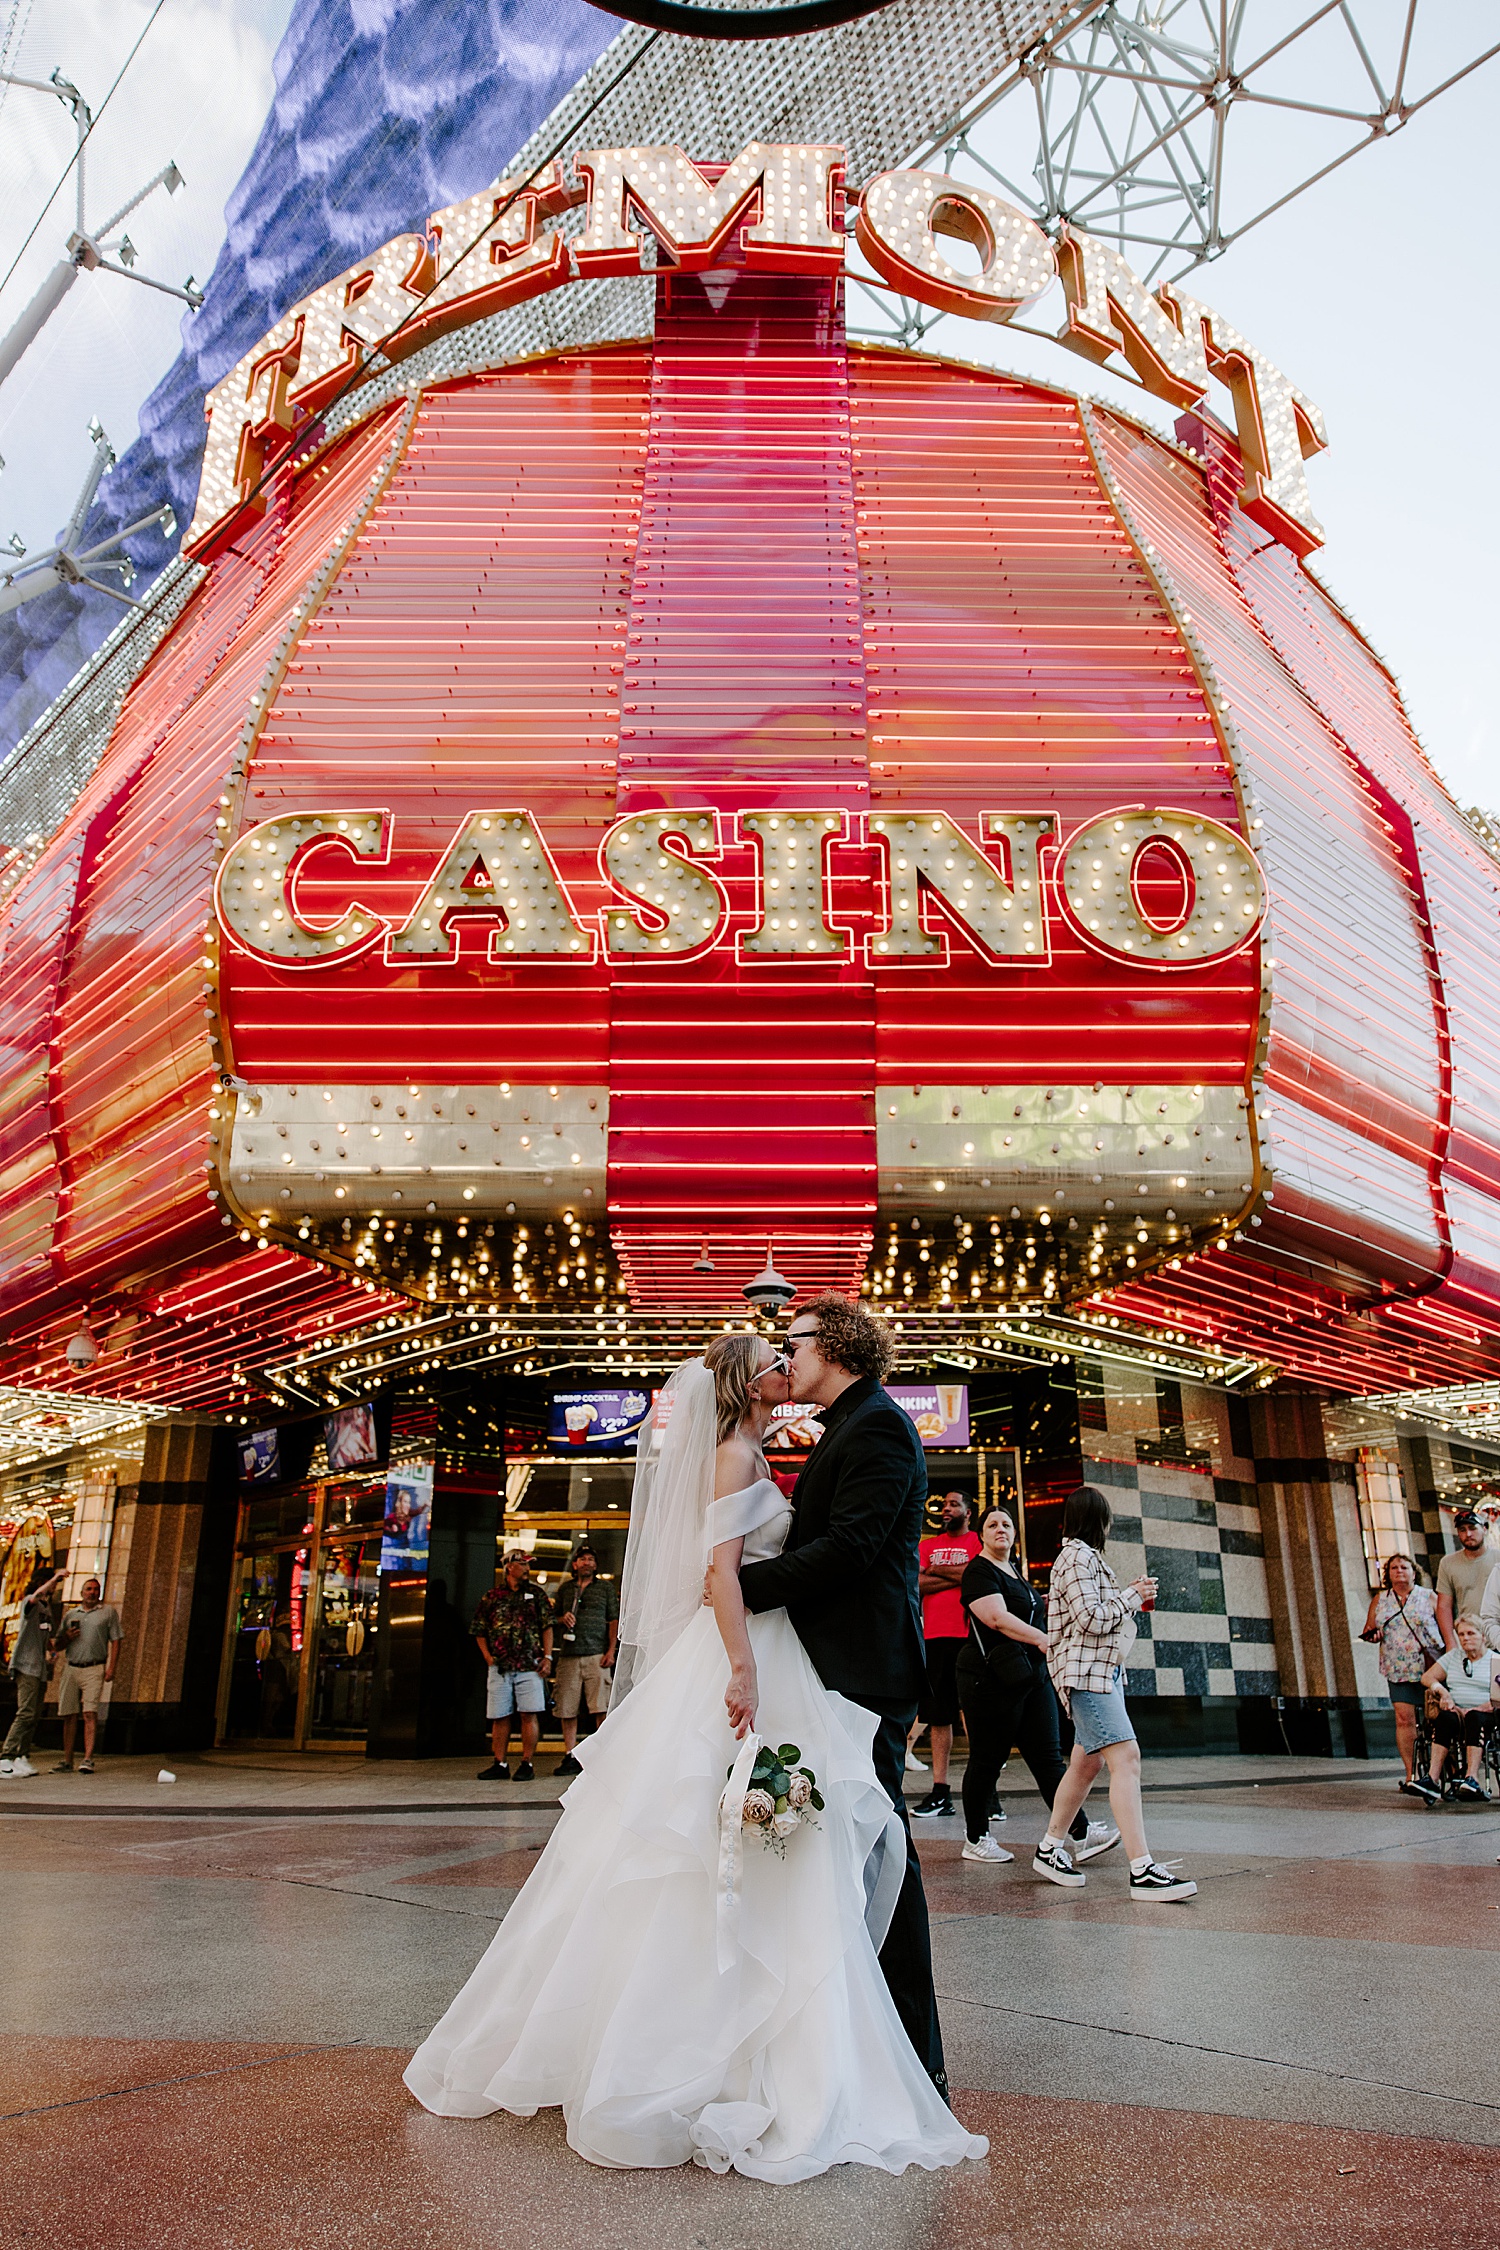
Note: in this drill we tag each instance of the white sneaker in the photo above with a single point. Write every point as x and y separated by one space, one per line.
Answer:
23 1769
1158 1882
1100 1838
7 1765
914 1763
987 1849
1056 1864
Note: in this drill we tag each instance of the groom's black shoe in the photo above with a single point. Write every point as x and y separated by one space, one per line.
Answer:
937 1802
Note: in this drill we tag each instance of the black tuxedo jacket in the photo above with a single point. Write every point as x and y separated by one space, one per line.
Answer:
847 1576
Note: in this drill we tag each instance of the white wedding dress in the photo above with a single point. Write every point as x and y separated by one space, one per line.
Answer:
602 1991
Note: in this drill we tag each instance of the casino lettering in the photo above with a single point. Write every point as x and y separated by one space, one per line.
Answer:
784 207
498 870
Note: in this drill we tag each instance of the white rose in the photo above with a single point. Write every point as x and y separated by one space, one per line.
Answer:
786 1824
799 1791
760 1808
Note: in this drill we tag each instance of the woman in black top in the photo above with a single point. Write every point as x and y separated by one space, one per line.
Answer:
1007 1697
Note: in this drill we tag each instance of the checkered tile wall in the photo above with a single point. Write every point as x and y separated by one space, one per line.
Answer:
1165 1455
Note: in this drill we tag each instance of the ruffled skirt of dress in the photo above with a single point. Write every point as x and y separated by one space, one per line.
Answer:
602 1993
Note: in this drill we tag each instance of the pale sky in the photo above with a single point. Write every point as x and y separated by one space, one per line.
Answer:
1374 292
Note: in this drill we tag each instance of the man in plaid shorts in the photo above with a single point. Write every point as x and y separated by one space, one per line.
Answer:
513 1626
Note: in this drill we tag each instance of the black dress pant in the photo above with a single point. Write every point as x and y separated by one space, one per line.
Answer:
906 1956
1459 1730
999 1718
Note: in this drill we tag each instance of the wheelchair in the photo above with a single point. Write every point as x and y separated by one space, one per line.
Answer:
1455 1762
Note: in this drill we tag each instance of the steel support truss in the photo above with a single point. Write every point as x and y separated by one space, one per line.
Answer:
1172 128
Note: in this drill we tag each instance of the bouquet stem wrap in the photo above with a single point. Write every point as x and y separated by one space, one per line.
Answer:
731 1826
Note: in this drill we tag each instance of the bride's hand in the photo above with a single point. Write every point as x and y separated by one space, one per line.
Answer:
740 1700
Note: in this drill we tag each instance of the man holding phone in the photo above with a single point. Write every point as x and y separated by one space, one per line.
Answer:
90 1634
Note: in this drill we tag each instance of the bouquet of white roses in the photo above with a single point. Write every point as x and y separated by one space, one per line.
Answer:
780 1796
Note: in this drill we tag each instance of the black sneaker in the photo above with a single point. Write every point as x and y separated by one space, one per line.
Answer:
494 1771
567 1763
937 1802
1470 1789
1159 1882
1423 1786
1053 1862
526 1772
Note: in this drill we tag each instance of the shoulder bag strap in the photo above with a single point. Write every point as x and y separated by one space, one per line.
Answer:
1416 1628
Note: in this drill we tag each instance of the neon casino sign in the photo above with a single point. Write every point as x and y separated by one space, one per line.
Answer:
1152 886
634 210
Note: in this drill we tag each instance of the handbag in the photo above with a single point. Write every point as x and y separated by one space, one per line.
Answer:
1010 1664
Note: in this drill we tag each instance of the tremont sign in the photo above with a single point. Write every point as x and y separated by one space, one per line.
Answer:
789 207
1110 879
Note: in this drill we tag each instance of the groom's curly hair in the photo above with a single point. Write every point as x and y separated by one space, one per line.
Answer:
849 1337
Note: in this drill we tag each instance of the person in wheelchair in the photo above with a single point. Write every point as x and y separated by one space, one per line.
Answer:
1466 1681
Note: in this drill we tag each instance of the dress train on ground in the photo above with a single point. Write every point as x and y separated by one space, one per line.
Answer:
602 1991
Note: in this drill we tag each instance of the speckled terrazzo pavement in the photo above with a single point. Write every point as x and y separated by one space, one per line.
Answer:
207 2015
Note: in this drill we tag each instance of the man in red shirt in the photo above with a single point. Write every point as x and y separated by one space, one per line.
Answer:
942 1559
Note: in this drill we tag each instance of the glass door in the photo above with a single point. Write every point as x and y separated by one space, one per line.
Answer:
345 1629
265 1653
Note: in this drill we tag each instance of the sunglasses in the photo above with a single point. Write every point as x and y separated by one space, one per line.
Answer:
798 1338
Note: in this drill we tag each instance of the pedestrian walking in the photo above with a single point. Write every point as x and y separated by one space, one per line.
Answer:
1402 1621
941 1562
1091 1629
30 1661
513 1626
1007 1694
586 1619
1463 1577
89 1636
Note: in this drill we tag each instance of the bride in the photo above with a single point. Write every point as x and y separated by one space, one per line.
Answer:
677 1993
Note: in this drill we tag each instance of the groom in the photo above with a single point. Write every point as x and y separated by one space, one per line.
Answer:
847 1578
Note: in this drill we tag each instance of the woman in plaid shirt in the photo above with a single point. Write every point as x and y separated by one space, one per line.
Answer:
1091 1631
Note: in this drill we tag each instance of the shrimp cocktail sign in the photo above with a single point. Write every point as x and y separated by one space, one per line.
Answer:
787 209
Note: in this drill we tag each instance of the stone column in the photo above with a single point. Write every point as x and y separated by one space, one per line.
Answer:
168 1571
1315 1573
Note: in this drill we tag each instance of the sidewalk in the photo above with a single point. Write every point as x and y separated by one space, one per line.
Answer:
244 1784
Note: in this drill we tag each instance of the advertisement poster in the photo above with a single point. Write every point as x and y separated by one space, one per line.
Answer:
600 1421
794 1429
349 1438
260 1457
940 1410
408 1519
26 1547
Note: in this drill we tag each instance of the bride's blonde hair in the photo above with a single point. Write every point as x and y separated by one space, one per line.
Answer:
734 1363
